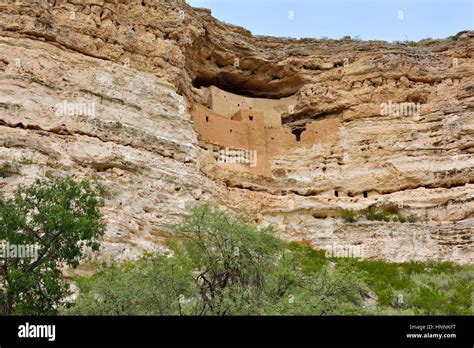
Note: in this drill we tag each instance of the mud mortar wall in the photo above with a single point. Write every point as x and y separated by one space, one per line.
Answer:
227 104
247 123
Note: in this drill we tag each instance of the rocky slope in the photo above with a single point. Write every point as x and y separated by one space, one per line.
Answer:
131 71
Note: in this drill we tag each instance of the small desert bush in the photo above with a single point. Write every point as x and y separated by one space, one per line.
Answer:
384 213
8 168
348 215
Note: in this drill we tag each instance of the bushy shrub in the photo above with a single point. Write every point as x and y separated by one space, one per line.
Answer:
384 213
348 215
222 265
374 214
7 169
331 291
153 285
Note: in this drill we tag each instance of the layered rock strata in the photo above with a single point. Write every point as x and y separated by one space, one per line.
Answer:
105 89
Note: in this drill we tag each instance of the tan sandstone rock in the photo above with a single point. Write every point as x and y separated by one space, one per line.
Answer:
104 90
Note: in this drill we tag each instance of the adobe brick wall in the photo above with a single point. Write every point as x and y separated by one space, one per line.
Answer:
227 104
219 130
279 139
321 131
248 129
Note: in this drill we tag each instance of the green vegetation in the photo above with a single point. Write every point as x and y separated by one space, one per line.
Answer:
374 214
221 265
218 264
7 169
383 213
25 161
154 285
44 23
421 288
455 37
55 220
412 43
348 215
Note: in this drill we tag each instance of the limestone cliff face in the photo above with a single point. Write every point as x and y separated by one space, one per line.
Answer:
105 89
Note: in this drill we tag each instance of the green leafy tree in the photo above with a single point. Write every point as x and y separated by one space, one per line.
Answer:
221 265
232 259
59 218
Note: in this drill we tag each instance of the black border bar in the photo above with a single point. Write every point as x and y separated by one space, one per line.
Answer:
195 331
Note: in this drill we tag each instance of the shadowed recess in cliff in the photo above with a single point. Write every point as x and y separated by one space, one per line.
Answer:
297 121
240 73
249 86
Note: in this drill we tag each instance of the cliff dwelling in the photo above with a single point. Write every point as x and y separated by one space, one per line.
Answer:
253 125
191 130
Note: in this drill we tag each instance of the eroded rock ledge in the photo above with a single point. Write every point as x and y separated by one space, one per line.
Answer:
143 67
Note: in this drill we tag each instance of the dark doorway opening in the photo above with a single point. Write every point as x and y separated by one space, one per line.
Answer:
297 132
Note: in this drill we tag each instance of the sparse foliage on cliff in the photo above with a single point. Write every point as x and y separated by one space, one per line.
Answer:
348 215
43 227
372 213
7 169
